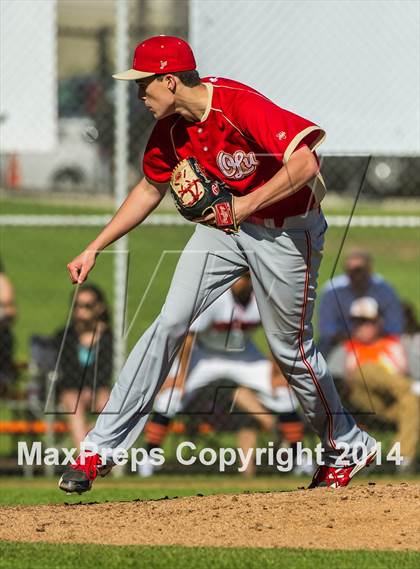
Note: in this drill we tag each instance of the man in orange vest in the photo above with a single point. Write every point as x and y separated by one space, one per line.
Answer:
377 372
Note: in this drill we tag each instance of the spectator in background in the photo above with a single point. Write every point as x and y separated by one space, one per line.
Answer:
376 370
339 293
8 371
85 365
411 342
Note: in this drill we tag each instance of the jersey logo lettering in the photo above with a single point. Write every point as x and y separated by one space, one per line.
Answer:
281 135
237 165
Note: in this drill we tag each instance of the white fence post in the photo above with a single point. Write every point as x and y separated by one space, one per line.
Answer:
121 170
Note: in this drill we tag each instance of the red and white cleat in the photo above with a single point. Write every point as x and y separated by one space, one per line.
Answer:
333 477
79 476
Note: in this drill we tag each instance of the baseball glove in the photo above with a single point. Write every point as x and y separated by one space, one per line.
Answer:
195 195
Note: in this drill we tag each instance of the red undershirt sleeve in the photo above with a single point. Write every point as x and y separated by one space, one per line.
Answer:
157 159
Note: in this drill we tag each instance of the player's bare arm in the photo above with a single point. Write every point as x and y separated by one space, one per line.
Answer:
184 363
185 357
141 201
246 400
301 168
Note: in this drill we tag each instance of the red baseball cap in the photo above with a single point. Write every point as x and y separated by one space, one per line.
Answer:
159 54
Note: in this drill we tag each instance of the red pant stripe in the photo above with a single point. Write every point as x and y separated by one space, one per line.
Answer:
302 351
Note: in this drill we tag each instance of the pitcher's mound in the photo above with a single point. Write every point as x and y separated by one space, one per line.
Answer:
370 516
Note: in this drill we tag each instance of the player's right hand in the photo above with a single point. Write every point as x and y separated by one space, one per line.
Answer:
81 266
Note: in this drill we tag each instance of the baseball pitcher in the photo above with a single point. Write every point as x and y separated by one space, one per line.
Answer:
245 170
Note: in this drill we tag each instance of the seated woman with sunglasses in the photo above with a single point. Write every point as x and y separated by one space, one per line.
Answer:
85 363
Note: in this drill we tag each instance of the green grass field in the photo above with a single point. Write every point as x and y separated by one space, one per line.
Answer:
35 259
49 556
56 203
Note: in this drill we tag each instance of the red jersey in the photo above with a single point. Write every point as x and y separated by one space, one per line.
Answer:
242 139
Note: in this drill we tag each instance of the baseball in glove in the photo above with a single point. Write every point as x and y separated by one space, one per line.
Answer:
196 195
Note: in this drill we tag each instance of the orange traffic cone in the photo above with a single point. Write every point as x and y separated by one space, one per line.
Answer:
13 177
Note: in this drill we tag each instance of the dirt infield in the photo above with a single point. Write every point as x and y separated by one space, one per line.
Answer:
370 516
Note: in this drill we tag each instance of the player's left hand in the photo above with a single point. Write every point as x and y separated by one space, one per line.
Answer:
242 207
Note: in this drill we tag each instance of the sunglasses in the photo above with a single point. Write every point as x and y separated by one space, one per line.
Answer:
360 320
357 270
87 305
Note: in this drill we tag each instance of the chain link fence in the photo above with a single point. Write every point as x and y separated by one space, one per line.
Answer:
82 159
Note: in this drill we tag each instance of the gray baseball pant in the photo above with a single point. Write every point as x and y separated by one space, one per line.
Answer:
284 264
